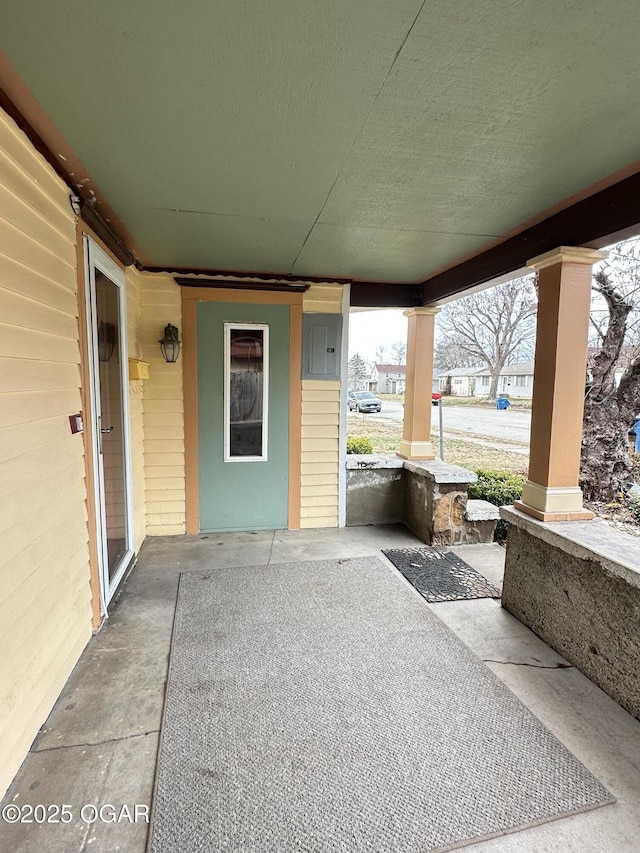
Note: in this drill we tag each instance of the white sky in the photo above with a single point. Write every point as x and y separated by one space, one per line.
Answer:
370 329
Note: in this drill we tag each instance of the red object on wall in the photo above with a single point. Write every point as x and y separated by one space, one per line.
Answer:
76 424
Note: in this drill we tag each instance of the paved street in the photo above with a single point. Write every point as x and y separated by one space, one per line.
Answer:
505 426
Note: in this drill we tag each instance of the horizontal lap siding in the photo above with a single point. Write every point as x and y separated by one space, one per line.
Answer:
136 407
320 454
45 608
319 485
163 409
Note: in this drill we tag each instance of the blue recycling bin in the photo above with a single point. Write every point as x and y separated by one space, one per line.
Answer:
635 430
501 403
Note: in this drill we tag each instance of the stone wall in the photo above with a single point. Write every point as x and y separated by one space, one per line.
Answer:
429 497
437 501
577 585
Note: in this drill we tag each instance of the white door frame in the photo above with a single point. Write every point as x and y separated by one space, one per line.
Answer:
249 327
96 259
344 370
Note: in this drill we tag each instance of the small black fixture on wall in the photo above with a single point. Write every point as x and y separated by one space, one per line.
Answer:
170 345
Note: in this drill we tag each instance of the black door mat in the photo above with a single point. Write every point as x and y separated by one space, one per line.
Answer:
440 575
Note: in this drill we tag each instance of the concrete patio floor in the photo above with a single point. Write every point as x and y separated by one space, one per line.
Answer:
99 743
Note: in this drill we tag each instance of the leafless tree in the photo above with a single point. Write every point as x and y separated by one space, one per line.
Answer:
448 355
399 352
610 408
493 328
622 267
380 353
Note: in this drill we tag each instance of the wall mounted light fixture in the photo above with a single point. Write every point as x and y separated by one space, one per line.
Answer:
170 345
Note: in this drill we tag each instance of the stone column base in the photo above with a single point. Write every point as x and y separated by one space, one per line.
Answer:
416 450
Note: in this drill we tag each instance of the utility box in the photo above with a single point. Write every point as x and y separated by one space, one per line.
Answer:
321 345
138 369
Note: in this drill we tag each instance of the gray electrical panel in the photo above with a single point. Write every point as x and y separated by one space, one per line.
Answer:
321 340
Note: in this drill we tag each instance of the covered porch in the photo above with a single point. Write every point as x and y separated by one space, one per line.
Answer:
99 747
232 181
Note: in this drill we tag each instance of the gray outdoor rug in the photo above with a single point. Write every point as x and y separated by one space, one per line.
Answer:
321 706
439 574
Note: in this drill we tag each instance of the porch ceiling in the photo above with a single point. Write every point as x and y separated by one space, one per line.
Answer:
346 138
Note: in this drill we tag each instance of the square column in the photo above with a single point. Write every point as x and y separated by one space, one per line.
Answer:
551 492
416 430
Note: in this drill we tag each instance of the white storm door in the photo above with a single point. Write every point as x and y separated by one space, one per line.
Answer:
109 377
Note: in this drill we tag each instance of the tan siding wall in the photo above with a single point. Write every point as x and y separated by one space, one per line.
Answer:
136 406
163 416
320 428
45 609
320 453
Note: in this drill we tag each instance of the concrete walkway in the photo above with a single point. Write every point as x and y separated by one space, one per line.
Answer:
98 747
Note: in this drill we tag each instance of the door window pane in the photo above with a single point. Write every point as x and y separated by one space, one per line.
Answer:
112 420
246 389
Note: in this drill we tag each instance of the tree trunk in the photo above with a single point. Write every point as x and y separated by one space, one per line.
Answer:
605 461
605 466
495 371
493 386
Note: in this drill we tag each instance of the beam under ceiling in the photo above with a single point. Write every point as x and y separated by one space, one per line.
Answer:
600 219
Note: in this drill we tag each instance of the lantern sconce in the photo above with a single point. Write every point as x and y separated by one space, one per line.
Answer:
170 345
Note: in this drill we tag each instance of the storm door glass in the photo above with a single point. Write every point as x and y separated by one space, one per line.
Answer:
246 392
107 335
111 421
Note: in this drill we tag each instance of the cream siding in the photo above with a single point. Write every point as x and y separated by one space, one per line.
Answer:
319 487
320 453
136 407
45 608
163 410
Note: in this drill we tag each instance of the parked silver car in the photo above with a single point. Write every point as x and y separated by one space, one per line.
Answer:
364 401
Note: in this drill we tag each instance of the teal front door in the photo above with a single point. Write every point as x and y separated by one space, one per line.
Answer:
243 415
